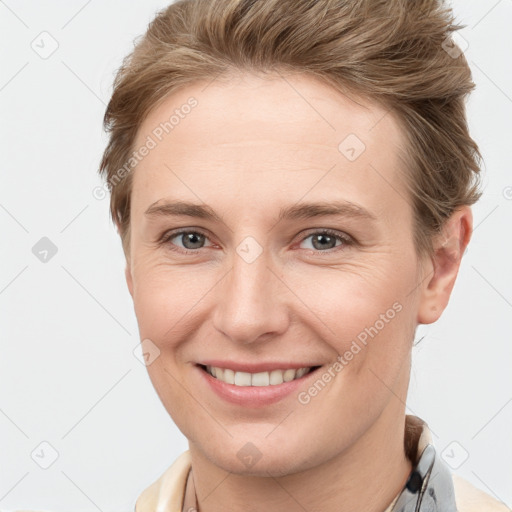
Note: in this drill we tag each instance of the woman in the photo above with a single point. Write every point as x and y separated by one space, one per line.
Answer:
292 183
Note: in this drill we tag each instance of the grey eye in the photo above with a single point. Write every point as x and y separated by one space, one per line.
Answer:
188 240
323 241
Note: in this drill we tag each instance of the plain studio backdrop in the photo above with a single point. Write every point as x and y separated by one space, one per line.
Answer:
81 428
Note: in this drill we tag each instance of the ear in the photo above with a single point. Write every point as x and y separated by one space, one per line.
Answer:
441 272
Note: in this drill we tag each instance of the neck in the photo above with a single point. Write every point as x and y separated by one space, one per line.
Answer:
367 476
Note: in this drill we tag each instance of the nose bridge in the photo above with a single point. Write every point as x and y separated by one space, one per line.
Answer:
249 300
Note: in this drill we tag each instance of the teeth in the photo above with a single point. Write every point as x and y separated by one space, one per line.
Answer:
276 377
272 378
301 372
289 375
242 379
229 376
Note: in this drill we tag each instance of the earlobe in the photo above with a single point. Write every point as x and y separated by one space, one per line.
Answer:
449 247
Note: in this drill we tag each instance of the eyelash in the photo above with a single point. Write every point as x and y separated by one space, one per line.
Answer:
345 239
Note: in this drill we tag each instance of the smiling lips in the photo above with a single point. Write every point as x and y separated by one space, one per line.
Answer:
253 385
271 378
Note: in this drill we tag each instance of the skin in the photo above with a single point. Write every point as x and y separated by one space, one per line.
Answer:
252 146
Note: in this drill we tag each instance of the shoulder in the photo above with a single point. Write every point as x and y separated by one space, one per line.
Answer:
168 490
470 499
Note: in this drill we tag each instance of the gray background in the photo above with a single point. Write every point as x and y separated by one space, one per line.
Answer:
69 376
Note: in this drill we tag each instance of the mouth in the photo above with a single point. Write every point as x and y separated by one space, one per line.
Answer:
259 379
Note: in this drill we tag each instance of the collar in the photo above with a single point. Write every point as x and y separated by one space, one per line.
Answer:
429 487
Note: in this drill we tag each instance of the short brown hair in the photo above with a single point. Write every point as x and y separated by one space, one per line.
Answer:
394 52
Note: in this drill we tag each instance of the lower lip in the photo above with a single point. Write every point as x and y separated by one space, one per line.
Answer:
253 396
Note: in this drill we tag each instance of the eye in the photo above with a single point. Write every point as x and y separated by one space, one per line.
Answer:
190 240
325 240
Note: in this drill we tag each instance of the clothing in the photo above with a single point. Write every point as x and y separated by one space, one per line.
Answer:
430 487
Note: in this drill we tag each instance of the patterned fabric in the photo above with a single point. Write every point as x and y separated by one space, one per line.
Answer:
429 487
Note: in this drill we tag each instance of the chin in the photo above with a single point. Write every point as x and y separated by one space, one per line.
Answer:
261 457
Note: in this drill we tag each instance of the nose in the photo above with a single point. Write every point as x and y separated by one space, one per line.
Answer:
251 301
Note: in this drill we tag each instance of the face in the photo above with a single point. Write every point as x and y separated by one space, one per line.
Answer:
271 230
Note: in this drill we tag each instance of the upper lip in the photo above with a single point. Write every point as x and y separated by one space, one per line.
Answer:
255 367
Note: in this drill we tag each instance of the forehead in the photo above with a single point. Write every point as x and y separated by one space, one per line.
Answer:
306 108
291 129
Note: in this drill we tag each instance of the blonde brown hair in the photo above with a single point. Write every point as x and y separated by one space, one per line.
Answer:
394 52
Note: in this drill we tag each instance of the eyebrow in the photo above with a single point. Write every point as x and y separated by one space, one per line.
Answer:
294 212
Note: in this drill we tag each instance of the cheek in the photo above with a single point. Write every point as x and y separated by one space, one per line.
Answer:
366 315
168 299
350 298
